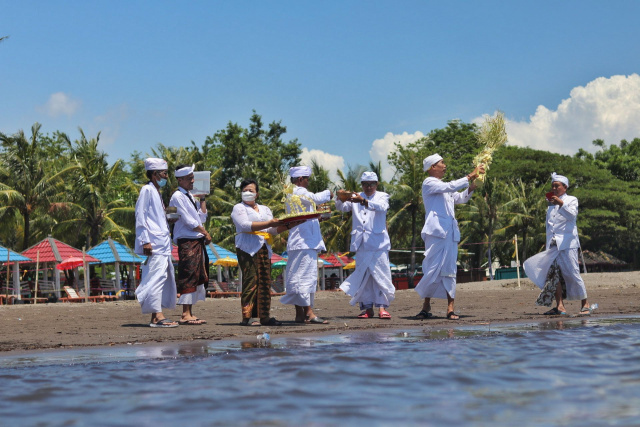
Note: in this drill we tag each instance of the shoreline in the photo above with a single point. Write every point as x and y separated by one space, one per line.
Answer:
28 328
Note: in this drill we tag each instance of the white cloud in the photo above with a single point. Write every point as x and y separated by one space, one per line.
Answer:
60 104
380 149
331 162
606 108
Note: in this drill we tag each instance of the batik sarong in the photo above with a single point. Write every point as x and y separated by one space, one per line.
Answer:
193 265
554 278
256 283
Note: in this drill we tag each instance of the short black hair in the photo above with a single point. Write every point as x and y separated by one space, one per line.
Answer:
249 181
150 174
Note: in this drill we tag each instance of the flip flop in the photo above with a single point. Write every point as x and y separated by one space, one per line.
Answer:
555 312
452 316
385 315
192 322
271 322
164 323
585 311
249 323
318 320
365 315
424 315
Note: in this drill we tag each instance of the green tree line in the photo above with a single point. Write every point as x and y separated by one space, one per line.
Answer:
53 185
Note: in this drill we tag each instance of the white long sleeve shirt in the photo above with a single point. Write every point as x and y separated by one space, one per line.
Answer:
190 217
438 198
307 235
243 215
151 222
369 224
561 223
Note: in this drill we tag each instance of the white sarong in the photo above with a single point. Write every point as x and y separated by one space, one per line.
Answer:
537 267
157 288
302 277
439 268
193 297
370 283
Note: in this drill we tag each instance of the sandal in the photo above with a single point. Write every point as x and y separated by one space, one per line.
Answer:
193 322
555 312
424 315
248 322
365 315
585 311
270 322
385 315
452 316
317 320
164 323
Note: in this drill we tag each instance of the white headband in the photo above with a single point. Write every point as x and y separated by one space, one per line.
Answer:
369 176
430 161
559 178
187 170
298 171
154 164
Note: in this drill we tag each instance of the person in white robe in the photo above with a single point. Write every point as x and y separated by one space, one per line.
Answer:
157 289
441 233
303 245
561 247
191 237
370 284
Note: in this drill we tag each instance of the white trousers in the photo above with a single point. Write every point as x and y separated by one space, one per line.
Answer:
157 289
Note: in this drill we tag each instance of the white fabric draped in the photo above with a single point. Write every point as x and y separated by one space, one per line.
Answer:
157 288
301 277
371 280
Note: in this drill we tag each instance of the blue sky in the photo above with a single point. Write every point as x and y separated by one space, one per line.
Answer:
347 78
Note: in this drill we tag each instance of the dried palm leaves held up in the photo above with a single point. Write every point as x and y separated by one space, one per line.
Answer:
492 135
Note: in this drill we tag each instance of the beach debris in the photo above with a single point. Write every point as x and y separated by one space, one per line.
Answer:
492 135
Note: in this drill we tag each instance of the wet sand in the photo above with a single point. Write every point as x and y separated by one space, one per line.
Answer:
65 325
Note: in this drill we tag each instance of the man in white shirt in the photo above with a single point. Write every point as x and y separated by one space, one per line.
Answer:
303 245
370 284
157 289
191 236
441 234
561 247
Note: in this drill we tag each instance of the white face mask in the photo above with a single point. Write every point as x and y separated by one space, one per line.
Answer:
248 196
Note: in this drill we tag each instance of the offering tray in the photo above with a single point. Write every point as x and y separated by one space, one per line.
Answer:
299 217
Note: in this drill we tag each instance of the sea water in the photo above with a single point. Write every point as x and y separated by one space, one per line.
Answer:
574 372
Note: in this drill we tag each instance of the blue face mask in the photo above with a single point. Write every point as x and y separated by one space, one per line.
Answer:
162 182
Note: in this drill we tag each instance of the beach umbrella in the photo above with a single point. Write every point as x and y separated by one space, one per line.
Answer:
226 262
349 266
70 263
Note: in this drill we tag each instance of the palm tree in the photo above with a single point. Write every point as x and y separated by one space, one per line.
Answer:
527 213
94 209
31 179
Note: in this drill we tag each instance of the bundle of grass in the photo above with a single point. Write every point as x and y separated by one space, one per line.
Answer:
492 135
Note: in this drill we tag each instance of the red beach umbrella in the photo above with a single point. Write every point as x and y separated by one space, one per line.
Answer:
70 263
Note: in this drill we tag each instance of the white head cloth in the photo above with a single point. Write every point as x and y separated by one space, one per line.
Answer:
187 170
430 161
559 178
153 164
298 171
369 176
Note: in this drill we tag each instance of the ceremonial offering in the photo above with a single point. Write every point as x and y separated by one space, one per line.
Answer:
344 195
298 208
492 135
324 210
550 195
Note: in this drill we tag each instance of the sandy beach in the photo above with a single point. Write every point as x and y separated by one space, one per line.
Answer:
65 325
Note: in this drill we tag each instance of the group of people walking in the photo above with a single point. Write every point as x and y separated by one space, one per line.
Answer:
369 286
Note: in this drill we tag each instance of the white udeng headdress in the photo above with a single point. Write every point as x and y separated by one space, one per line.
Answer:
155 164
369 176
559 178
187 170
430 161
298 171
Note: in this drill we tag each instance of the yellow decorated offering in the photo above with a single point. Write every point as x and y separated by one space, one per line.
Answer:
297 207
492 135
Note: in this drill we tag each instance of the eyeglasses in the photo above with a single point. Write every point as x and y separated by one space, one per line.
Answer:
369 184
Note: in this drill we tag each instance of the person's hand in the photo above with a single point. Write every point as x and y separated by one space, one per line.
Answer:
331 193
356 198
146 249
275 222
555 200
480 169
172 221
207 238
